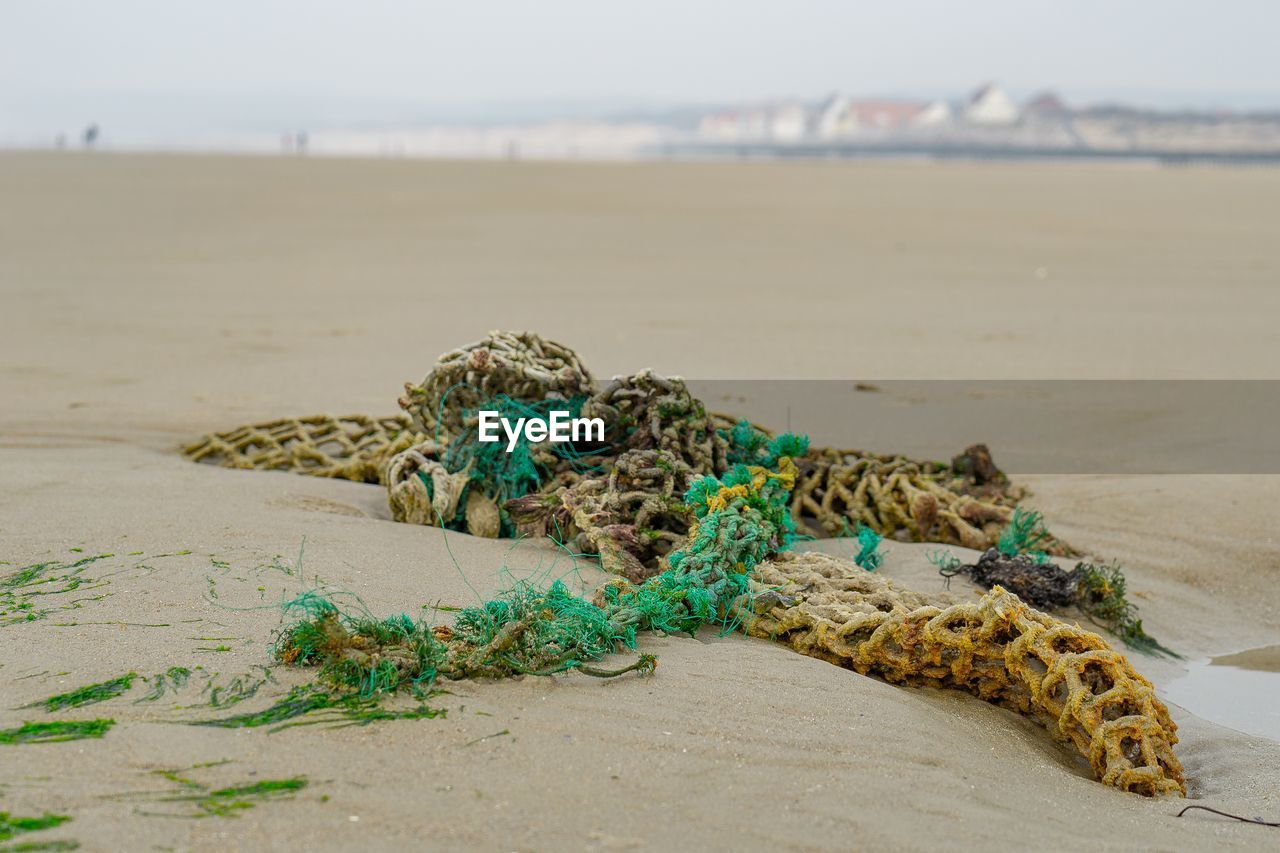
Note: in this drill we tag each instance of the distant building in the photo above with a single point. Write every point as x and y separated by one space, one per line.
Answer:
719 126
1046 104
934 114
833 119
885 115
787 122
990 105
840 117
987 120
733 125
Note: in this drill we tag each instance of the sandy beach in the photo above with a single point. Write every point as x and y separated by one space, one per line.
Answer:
147 299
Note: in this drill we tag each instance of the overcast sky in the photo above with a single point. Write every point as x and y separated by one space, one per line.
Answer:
466 53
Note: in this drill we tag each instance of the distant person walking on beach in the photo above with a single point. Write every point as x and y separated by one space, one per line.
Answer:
91 135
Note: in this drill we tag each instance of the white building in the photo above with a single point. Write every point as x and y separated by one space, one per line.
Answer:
787 122
990 105
840 117
934 114
834 119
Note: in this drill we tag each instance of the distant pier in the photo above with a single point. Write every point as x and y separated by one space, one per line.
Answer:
947 150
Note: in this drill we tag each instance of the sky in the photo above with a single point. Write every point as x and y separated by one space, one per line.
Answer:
376 60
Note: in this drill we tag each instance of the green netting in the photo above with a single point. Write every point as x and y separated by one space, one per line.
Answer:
1024 532
504 470
869 555
742 519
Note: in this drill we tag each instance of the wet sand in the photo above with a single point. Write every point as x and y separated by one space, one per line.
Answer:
147 299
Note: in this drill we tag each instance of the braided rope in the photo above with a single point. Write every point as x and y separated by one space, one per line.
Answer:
999 649
521 365
902 498
354 447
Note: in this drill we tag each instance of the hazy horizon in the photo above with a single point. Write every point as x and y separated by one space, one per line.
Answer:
144 66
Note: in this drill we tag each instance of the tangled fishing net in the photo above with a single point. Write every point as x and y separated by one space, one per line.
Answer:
997 648
968 503
731 571
691 510
355 447
647 411
620 497
521 366
740 520
632 518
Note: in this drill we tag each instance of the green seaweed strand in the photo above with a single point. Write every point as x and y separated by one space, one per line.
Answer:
11 826
56 732
89 694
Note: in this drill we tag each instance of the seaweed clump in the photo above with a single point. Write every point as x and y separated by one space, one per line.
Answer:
20 590
229 801
1102 595
90 694
56 732
321 707
225 802
11 826
1038 582
172 679
1097 590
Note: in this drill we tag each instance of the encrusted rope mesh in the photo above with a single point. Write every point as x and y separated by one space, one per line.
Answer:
691 509
519 365
354 447
996 648
967 503
651 412
632 517
574 494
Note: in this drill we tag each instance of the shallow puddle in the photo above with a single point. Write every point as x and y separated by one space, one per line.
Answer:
1240 690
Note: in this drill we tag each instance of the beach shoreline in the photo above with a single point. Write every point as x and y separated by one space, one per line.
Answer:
149 300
